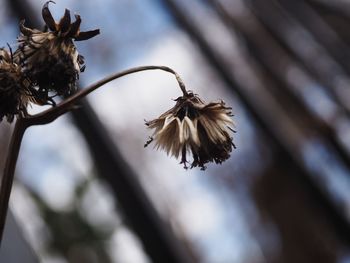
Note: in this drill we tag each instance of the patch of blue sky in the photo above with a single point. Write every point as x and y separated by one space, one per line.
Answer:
47 154
8 29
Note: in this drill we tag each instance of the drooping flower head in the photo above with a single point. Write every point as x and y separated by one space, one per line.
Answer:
14 87
193 127
50 59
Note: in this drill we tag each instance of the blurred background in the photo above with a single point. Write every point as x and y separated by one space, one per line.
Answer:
87 191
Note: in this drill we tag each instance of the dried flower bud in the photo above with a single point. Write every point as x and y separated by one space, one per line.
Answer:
50 59
192 126
14 88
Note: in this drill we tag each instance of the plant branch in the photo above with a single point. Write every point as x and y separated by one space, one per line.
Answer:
48 116
9 170
68 104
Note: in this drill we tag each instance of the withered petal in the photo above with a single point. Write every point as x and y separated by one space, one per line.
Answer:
192 130
47 16
87 35
65 21
202 130
5 55
74 28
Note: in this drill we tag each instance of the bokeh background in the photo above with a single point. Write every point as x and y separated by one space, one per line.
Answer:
87 191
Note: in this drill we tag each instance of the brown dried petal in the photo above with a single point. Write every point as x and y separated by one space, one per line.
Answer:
5 55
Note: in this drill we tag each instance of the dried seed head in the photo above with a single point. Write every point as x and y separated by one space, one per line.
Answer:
50 59
192 126
14 88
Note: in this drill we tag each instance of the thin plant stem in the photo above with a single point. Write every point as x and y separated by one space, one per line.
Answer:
48 116
9 170
67 105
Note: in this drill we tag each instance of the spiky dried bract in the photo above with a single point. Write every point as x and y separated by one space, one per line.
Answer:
50 59
14 88
194 127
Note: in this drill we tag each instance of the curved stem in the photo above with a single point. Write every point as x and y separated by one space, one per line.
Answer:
48 116
66 105
9 171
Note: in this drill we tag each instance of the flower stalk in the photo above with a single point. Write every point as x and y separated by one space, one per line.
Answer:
9 170
47 116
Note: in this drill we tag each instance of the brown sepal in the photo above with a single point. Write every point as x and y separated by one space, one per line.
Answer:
74 28
25 30
47 16
87 35
64 23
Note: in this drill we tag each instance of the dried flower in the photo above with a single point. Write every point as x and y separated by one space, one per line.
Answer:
14 88
50 59
192 126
